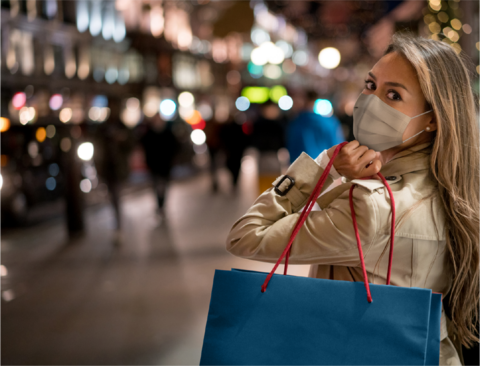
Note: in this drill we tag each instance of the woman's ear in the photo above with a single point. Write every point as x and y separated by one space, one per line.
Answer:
431 125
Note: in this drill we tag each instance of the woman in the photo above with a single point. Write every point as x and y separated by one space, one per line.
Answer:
416 117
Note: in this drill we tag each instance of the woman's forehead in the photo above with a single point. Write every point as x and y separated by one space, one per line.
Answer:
394 67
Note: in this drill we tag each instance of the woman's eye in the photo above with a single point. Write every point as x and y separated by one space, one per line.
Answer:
369 85
393 95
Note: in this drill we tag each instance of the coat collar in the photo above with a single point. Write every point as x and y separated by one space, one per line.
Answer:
407 161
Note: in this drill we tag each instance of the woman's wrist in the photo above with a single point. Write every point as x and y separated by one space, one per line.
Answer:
322 160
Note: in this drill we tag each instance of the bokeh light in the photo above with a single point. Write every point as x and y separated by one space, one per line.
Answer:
276 92
323 107
242 103
329 57
65 115
256 94
41 134
198 137
259 36
51 130
53 169
50 183
4 124
272 71
85 185
19 100
65 144
259 56
27 114
85 151
167 108
55 102
300 58
186 99
206 111
285 103
255 71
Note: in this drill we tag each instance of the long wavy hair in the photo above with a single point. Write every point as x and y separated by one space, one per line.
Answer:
445 82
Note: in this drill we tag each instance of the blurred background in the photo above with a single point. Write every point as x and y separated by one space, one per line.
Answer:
134 133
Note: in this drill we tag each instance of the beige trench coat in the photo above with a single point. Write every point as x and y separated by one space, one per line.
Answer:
327 242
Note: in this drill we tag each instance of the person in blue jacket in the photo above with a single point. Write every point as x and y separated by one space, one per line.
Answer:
311 132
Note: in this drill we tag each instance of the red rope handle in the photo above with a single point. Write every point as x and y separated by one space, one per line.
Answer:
308 208
359 244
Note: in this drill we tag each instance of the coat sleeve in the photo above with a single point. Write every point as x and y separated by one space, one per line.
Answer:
326 237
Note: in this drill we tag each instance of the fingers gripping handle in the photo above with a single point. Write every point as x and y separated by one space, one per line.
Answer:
308 208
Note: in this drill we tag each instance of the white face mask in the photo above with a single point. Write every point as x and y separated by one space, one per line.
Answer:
377 125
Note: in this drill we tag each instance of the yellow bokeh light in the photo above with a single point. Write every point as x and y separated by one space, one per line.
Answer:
456 24
429 18
477 45
443 17
4 124
453 36
435 7
434 27
435 2
457 48
478 69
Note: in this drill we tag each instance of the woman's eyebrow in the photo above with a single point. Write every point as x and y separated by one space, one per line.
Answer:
392 83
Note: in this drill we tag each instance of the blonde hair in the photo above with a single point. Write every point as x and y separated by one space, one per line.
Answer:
445 83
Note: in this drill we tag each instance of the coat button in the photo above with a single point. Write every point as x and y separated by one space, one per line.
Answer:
391 177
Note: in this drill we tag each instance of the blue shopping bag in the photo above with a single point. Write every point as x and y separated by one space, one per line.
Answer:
311 321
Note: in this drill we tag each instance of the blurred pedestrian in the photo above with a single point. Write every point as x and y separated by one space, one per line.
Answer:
269 129
161 146
312 133
268 136
212 131
234 141
113 144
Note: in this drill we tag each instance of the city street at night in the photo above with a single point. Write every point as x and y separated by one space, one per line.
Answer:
146 144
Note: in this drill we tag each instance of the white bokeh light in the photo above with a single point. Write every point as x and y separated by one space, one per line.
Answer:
285 47
285 103
198 137
186 99
242 103
272 71
275 55
85 151
85 185
259 57
300 58
167 108
259 36
329 57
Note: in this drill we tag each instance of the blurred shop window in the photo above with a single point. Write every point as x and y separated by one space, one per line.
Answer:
188 73
20 54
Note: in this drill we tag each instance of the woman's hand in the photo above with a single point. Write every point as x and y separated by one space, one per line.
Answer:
353 161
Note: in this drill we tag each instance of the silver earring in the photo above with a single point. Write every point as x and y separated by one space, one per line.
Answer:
427 129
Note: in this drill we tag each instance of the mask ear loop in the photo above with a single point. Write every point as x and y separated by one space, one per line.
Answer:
421 130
